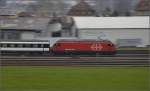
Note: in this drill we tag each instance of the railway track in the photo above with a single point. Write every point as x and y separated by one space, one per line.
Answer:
75 61
120 52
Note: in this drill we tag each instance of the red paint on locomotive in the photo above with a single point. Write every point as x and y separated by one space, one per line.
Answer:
84 46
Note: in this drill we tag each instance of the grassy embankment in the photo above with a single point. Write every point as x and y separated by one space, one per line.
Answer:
74 79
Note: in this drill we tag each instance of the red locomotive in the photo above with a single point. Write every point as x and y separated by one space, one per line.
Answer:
86 46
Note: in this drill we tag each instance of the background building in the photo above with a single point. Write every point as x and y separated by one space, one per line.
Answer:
23 28
2 3
143 8
28 28
82 9
123 31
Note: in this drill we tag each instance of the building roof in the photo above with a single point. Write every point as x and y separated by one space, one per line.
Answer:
143 5
82 9
112 22
7 12
24 23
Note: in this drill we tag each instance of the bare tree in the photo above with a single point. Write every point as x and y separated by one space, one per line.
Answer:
115 13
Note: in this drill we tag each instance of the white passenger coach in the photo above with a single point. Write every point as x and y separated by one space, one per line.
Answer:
24 47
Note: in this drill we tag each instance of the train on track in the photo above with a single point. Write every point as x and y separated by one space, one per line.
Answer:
60 47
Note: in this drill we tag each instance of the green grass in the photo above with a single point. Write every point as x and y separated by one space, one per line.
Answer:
74 79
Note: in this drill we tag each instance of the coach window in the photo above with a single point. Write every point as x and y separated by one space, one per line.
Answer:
23 45
12 45
4 45
0 45
35 45
26 45
20 45
39 45
46 45
15 45
42 45
29 45
2 35
7 45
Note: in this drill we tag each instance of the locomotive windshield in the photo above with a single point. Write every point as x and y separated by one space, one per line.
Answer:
57 44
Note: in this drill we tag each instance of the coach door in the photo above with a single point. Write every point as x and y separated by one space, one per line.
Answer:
46 47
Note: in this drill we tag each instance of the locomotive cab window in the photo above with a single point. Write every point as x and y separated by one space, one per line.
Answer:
54 44
110 44
57 44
